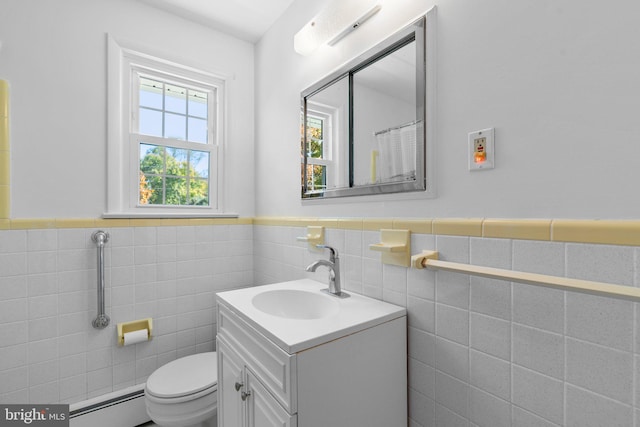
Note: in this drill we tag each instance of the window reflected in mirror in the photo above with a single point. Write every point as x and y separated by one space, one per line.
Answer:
327 138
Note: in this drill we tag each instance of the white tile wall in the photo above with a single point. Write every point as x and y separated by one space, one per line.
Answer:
486 353
481 353
49 352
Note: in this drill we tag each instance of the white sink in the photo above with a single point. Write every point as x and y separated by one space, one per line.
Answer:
295 304
297 315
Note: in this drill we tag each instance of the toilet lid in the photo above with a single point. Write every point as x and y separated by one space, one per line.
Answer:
184 376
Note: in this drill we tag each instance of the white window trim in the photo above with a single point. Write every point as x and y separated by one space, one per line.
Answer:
333 157
327 139
122 161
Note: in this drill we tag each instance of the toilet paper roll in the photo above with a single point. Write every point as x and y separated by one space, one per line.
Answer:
136 336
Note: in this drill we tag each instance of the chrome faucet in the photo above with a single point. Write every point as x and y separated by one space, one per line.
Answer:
334 271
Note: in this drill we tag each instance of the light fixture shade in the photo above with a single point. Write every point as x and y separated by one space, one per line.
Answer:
333 23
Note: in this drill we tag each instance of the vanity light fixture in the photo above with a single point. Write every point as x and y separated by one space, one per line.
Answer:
332 24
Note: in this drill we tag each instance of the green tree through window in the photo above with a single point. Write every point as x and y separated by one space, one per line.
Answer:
173 176
316 173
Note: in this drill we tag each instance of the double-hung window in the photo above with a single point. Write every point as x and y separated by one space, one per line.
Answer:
317 161
319 152
173 139
165 137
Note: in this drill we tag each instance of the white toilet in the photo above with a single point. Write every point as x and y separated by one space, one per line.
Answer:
184 392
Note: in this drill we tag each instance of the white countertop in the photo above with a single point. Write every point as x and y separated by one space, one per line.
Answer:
354 314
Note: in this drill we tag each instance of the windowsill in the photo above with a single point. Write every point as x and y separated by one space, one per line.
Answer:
158 215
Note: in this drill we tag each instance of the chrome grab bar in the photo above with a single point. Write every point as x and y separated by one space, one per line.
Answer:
102 320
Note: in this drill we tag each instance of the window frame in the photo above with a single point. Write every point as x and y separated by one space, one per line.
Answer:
136 138
332 119
327 148
424 30
123 141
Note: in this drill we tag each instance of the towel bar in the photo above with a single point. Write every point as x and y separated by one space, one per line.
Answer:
429 259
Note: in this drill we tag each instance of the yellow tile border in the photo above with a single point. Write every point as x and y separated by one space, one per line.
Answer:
610 232
32 224
75 223
326 222
376 224
5 211
44 223
458 226
613 232
4 98
5 175
4 133
419 226
4 168
351 223
525 229
150 222
282 221
113 222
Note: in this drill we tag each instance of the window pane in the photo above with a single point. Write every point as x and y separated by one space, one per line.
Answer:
315 137
199 164
199 192
151 159
150 190
170 176
175 99
176 191
150 122
175 126
198 104
172 111
150 93
316 177
163 176
197 130
177 161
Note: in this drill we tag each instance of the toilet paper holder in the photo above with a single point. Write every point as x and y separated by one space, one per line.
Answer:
135 325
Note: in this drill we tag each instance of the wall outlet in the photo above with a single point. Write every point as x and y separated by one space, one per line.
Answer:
481 150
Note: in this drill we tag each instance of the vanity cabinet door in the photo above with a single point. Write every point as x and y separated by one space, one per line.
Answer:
272 365
230 408
263 410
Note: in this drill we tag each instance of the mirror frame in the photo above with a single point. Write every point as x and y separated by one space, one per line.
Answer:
416 31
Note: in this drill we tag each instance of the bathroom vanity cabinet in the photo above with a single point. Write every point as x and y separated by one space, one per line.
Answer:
356 376
242 399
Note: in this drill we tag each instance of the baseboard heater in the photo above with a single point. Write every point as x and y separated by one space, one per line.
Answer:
123 408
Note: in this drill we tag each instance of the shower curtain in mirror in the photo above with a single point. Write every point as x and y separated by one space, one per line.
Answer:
397 153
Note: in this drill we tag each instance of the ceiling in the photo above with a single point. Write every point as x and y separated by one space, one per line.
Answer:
245 19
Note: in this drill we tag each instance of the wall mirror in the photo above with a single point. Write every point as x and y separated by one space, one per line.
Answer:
363 126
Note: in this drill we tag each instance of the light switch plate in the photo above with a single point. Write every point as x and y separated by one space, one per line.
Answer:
482 150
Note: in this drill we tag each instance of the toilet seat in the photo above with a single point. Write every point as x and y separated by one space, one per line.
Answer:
184 392
186 378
